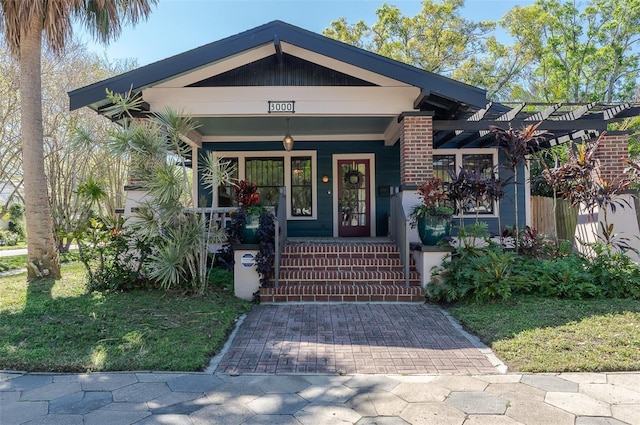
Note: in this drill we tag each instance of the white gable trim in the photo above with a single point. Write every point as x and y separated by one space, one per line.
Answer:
219 67
233 62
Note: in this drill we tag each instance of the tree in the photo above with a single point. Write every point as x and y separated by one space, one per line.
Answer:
560 51
583 55
72 157
10 153
437 39
24 24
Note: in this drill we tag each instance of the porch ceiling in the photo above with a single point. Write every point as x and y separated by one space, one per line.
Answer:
300 127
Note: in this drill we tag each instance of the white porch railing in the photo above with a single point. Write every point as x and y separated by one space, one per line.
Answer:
221 217
281 234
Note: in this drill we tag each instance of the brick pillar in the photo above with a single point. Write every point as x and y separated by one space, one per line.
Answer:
613 146
416 150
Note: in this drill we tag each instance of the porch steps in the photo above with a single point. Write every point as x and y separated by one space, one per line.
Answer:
343 271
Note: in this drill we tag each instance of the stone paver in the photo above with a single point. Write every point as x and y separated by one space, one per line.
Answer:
80 403
433 413
107 381
377 404
578 404
277 404
475 402
350 339
550 383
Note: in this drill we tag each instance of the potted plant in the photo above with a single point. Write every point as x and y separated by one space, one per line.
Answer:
248 200
432 217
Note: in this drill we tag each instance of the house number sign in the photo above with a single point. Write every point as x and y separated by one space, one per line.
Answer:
281 106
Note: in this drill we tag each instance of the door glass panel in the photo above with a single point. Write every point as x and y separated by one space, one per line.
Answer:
354 195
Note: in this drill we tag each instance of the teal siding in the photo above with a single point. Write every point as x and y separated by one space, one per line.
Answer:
387 173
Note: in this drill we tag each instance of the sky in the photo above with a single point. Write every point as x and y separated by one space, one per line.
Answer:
176 26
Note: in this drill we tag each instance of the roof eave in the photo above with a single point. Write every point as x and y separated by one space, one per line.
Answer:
196 58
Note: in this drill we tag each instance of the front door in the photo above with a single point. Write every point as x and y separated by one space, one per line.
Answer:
354 202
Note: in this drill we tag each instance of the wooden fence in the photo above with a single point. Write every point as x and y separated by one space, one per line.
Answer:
559 222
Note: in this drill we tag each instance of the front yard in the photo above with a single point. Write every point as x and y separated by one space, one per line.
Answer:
60 326
535 334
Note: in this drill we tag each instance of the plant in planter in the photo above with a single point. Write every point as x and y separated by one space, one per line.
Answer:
433 216
248 199
251 224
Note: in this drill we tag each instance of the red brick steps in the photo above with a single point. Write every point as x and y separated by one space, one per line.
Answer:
343 272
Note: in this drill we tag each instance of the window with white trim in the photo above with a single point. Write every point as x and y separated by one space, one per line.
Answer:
296 171
485 161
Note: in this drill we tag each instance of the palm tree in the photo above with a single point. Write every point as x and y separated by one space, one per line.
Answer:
24 23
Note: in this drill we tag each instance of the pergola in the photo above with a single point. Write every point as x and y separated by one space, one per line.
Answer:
564 122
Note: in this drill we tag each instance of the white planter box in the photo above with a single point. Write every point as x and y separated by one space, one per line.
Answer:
246 280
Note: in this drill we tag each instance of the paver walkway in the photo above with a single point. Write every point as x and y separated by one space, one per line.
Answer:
353 338
198 399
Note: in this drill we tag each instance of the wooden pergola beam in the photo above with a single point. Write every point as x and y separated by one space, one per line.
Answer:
550 125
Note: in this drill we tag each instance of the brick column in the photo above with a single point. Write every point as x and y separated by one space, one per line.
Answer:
613 146
416 150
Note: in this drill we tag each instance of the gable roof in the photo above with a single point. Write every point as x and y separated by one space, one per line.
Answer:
436 91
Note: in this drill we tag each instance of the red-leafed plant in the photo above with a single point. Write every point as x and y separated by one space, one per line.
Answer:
247 193
434 201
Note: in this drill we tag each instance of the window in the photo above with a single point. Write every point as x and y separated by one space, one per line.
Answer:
483 161
226 193
268 174
296 171
301 199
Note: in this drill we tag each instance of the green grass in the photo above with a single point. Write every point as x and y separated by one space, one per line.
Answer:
16 262
19 245
533 334
58 326
12 263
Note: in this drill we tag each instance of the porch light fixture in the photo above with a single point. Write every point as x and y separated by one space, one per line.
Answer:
287 142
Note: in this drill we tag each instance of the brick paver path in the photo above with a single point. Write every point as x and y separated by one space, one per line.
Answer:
351 338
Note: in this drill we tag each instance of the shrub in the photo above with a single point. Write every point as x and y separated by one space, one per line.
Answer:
481 274
8 238
113 258
616 275
566 277
490 273
16 214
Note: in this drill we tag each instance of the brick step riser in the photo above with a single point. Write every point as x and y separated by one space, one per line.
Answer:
342 293
307 277
341 298
321 261
340 249
341 269
294 283
361 257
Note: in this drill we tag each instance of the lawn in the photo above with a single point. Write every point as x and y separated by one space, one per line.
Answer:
59 326
20 261
19 245
532 334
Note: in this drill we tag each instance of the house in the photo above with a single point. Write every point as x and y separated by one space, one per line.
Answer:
364 129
